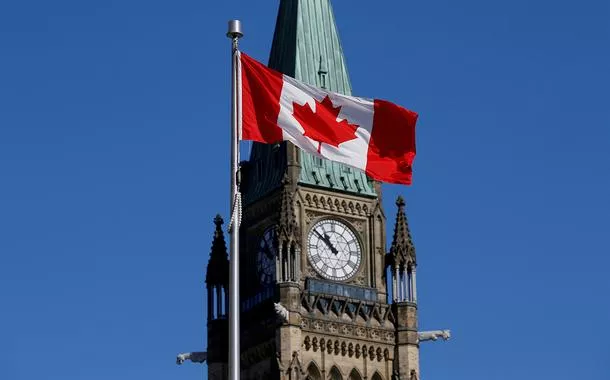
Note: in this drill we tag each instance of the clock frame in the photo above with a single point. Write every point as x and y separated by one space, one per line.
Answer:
266 256
334 250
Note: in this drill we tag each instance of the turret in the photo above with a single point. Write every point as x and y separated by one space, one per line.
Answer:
217 276
402 262
401 259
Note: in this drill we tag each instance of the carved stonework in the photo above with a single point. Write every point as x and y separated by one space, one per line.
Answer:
338 329
331 328
338 347
309 272
360 279
374 334
335 204
357 223
358 226
389 337
347 330
344 310
360 332
295 367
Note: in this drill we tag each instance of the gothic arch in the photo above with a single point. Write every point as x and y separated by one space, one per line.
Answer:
376 376
335 374
354 375
313 372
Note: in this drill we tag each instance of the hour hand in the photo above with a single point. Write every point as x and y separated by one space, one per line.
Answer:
326 239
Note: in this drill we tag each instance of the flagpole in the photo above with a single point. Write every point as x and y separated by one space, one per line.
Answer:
234 33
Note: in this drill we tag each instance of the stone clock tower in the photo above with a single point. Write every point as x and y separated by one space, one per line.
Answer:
321 296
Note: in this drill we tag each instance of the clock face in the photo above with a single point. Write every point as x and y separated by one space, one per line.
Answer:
265 257
333 250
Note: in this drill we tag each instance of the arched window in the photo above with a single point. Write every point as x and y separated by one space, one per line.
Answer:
354 375
376 376
334 374
313 373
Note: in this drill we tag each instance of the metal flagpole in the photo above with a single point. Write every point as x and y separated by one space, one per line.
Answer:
234 33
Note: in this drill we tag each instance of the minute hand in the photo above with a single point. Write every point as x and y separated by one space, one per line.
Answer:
326 240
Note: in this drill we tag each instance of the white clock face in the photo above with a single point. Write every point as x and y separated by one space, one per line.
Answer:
333 250
265 257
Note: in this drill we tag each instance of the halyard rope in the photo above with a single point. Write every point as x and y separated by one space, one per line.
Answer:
235 212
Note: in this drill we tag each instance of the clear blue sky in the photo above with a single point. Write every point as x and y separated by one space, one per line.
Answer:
114 154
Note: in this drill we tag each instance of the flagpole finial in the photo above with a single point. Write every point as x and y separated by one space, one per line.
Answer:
234 30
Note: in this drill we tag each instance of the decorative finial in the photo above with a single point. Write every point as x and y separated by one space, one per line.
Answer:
218 265
218 221
400 201
234 30
402 251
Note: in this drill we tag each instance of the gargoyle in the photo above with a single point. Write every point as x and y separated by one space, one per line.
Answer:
195 357
281 312
434 335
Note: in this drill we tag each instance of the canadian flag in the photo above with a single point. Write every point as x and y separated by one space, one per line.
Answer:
375 136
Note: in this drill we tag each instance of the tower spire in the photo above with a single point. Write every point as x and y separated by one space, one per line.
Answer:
217 275
218 269
306 46
305 32
401 258
402 252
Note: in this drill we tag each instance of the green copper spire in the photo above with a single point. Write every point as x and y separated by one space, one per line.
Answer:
305 46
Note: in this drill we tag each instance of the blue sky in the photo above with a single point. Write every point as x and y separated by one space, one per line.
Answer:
114 154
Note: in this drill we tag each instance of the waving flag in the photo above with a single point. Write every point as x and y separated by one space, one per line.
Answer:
373 135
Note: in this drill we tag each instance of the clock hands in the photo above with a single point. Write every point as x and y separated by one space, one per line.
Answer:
326 239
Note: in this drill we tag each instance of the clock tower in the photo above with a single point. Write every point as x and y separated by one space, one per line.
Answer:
321 296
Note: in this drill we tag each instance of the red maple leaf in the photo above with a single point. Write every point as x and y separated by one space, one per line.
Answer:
322 125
